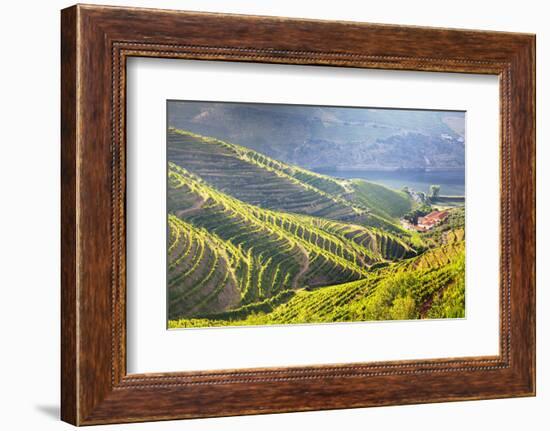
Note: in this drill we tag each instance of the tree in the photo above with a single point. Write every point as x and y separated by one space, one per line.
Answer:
412 216
422 197
435 189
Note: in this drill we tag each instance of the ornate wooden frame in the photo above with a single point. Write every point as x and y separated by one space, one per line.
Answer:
95 43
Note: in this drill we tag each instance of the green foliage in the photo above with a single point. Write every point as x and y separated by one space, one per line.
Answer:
449 302
257 252
200 267
385 202
254 241
413 215
265 306
434 191
392 300
415 240
423 198
403 308
454 222
398 291
259 180
268 183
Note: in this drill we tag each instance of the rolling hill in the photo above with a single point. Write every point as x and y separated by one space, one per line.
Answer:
427 286
253 240
266 252
268 183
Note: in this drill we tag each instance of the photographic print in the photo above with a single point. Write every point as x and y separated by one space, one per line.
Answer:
295 214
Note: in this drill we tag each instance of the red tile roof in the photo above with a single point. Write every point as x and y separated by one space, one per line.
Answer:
433 218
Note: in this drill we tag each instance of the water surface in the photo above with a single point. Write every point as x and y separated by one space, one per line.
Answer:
451 181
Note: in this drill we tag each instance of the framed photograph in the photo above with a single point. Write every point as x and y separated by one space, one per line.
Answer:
265 215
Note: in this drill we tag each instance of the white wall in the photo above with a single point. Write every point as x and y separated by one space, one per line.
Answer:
29 216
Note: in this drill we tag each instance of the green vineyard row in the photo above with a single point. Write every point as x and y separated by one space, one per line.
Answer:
266 251
428 286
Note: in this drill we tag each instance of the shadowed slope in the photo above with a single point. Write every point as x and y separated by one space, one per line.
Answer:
427 286
260 180
281 251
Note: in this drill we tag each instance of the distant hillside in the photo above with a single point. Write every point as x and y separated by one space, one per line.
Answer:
332 137
381 200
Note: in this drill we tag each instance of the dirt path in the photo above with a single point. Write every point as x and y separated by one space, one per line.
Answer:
197 205
305 266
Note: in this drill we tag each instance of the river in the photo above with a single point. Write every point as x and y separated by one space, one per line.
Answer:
451 181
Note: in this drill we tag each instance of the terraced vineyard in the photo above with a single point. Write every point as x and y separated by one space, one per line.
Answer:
203 270
270 251
259 180
431 285
256 241
382 201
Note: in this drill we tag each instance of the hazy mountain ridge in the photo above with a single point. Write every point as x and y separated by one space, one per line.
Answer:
321 137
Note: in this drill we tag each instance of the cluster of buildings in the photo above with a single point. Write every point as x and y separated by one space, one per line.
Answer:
431 220
427 222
